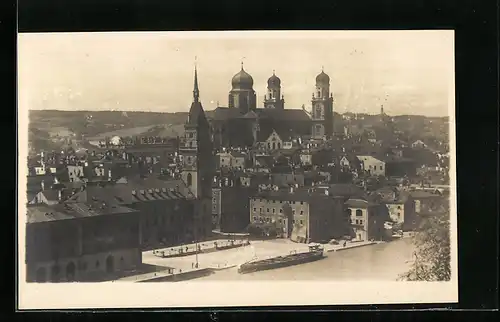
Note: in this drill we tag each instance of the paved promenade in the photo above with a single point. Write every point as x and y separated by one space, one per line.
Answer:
227 259
237 256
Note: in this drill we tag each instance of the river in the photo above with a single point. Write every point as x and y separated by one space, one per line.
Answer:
374 262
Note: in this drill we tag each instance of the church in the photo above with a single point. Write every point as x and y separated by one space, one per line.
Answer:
243 124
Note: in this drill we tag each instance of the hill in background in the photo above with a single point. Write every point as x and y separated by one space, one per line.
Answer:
52 129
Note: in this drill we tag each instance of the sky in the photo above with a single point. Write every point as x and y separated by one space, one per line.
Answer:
409 72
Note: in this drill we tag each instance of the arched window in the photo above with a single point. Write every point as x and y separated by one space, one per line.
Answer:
279 145
55 271
41 275
269 145
359 212
274 145
110 264
70 271
349 212
189 180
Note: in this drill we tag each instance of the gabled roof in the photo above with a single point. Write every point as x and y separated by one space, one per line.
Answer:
135 190
44 213
357 203
285 115
223 113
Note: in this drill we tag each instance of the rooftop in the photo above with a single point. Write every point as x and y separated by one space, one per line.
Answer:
44 213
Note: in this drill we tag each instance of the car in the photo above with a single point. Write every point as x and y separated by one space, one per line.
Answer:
333 242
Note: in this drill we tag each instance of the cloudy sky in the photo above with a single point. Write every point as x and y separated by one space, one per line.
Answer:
409 72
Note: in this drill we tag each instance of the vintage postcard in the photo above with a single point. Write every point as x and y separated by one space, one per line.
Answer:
196 169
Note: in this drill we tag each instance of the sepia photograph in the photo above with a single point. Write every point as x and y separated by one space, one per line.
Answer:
174 169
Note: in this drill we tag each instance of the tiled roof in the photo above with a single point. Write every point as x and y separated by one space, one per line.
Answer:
422 194
224 113
44 213
285 115
357 203
136 189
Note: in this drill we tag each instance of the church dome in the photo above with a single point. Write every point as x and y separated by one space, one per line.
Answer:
274 81
323 78
242 80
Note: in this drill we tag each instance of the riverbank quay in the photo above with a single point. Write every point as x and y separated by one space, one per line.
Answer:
198 248
168 275
184 268
349 245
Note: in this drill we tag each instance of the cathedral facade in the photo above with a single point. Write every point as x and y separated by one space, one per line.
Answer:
243 124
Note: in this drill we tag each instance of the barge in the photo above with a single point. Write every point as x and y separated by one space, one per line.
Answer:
316 252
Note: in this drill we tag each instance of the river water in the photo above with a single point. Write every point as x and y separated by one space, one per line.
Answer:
374 262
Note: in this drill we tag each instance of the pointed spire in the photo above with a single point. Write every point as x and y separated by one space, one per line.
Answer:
196 91
242 64
274 72
322 68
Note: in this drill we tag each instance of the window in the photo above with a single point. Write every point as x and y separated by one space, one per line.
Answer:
399 215
301 202
274 210
279 221
267 209
269 145
357 222
281 210
189 179
254 209
268 219
360 222
359 212
293 211
279 145
293 221
399 207
254 218
381 168
260 210
302 212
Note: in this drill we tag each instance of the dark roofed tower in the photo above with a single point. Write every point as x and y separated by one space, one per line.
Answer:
197 167
273 98
242 96
322 108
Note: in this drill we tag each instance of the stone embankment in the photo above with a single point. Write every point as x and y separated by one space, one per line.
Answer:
184 268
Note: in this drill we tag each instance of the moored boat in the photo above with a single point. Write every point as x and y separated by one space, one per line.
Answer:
315 252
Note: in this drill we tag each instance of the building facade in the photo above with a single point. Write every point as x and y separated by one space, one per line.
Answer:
299 215
81 242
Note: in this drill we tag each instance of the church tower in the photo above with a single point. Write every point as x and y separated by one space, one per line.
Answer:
322 108
273 98
197 167
242 96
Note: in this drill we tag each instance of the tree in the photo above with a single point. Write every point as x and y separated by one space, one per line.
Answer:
433 255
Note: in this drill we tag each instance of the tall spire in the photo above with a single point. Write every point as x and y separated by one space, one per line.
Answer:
196 91
242 64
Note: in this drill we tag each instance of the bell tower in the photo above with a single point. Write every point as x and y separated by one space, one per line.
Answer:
273 98
197 162
322 108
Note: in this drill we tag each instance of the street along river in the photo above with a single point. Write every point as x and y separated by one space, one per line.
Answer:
374 262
